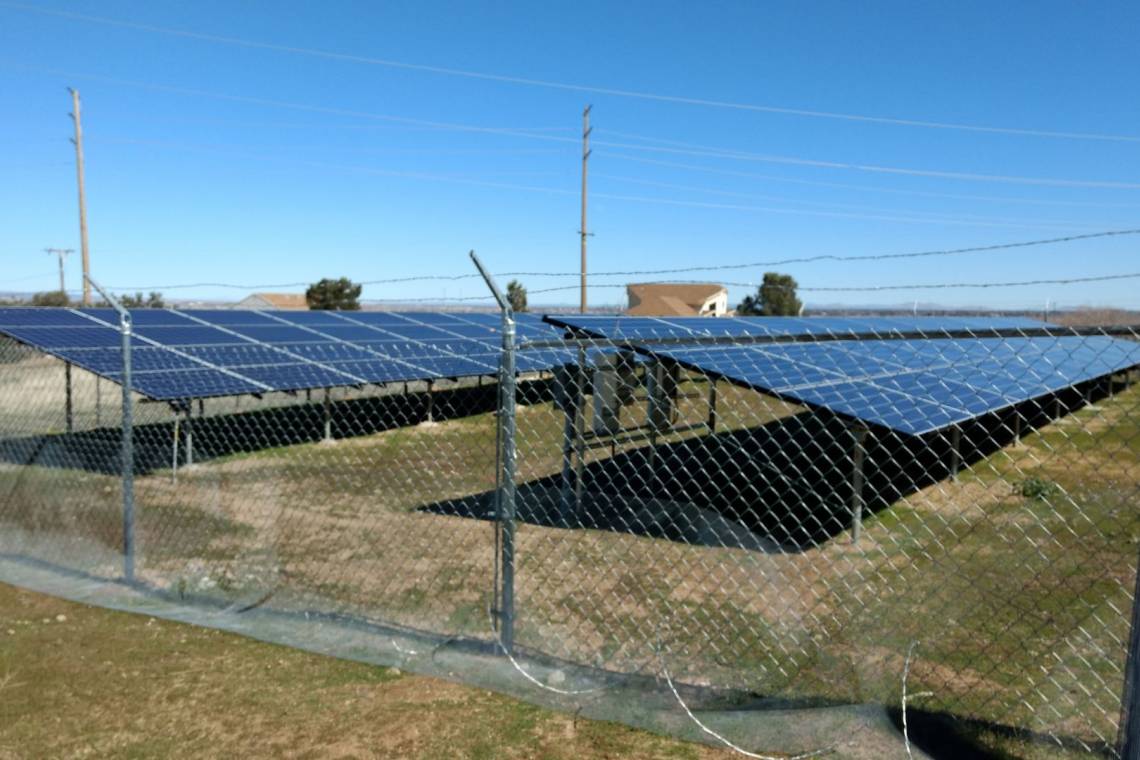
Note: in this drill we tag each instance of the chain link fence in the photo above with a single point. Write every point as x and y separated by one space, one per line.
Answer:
629 517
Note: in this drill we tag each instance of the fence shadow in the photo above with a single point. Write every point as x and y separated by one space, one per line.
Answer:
785 486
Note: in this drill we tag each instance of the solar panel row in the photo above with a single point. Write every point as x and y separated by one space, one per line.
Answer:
912 386
202 353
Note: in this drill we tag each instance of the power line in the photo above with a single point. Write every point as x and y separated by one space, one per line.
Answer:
925 216
679 270
885 216
705 152
863 188
735 155
571 87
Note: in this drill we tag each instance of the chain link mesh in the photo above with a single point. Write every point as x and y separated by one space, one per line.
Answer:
666 520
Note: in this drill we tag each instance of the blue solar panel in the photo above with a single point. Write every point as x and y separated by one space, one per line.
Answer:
912 386
618 327
211 352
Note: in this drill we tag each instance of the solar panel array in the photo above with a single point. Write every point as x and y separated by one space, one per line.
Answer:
912 386
205 353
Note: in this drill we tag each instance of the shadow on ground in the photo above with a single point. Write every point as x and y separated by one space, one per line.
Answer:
786 486
242 432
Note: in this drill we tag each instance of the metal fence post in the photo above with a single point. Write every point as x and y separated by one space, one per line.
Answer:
506 494
127 440
1128 731
128 454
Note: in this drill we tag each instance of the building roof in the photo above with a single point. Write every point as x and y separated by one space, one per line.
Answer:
276 300
650 299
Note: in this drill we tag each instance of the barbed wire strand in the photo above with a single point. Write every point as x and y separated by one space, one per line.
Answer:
843 289
566 86
674 270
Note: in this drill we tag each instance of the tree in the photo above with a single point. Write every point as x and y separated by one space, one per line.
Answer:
334 295
776 297
516 295
139 301
51 298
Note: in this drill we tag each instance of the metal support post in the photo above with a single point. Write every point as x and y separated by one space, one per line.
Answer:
67 403
174 451
98 402
712 406
1016 427
189 433
1128 731
566 390
858 457
430 401
328 415
955 452
127 440
506 495
580 431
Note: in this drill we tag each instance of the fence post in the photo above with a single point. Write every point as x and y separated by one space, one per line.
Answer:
127 441
1128 732
128 453
506 495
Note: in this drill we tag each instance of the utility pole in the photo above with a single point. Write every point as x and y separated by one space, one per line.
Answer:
585 163
78 141
62 253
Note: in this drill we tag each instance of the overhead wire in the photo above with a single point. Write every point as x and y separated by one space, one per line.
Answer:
566 86
989 248
706 152
863 188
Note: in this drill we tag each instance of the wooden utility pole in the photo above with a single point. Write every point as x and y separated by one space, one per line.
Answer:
585 163
62 253
78 141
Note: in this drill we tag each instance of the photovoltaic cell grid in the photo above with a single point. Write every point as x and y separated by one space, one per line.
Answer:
912 386
179 354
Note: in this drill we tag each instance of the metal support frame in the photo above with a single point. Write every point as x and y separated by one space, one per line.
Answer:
189 434
955 452
580 431
566 389
507 456
174 449
69 410
430 414
127 440
1016 426
328 415
712 406
858 458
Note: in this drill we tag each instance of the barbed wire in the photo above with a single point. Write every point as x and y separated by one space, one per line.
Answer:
799 288
566 86
674 270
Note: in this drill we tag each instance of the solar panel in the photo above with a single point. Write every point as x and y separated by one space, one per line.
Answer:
618 327
912 386
180 354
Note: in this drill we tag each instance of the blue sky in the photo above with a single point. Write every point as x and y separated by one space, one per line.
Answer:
212 161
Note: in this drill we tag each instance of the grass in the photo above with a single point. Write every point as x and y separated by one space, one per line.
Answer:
118 685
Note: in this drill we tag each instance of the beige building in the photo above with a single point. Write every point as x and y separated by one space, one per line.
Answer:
689 300
287 301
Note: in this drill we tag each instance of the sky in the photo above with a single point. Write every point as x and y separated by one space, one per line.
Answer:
265 145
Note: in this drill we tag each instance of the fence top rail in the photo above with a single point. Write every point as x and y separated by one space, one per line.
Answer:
580 338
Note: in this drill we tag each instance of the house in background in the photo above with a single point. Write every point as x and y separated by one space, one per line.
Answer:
649 299
287 301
